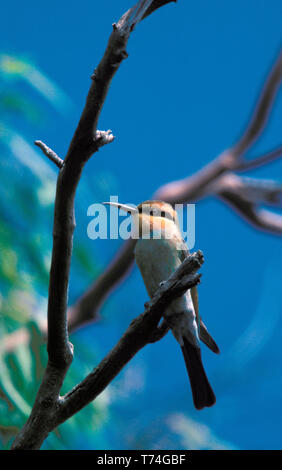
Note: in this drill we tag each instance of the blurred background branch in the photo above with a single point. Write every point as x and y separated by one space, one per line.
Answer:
50 153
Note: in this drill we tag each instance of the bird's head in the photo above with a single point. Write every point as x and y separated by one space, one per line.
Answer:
150 217
158 209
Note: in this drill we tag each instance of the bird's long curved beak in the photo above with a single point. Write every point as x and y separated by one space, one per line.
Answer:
124 207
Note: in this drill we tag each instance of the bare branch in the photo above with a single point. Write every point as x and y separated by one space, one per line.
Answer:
141 10
269 157
155 5
256 191
86 141
259 218
50 153
262 110
37 427
195 187
245 195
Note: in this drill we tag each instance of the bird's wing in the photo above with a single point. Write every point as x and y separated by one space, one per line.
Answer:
207 338
203 332
183 254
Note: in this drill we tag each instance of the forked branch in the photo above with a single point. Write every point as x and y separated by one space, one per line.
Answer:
86 141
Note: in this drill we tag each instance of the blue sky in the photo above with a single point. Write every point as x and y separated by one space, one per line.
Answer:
183 96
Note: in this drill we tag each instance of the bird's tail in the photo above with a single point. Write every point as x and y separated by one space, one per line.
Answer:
201 390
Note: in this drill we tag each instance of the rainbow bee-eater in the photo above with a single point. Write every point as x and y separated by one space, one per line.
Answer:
159 250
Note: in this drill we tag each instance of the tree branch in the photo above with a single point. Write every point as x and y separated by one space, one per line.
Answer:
261 113
269 157
50 153
155 5
85 142
245 195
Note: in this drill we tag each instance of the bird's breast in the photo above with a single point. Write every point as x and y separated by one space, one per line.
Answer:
157 260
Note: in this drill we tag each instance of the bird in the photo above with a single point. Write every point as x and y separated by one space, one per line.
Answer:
159 250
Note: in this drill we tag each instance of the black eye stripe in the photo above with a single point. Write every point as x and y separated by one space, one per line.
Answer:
155 212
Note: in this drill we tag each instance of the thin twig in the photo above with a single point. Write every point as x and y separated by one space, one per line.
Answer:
256 162
50 153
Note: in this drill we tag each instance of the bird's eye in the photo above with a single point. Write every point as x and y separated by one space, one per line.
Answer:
163 214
